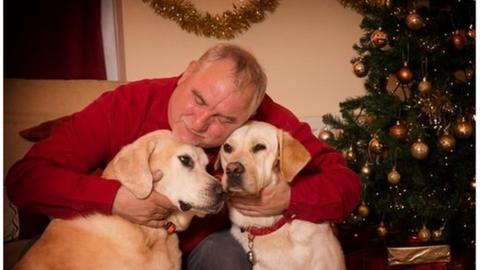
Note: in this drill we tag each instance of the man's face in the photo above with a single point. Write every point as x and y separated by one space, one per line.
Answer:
206 107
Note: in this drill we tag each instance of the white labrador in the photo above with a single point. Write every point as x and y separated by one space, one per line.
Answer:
111 242
253 157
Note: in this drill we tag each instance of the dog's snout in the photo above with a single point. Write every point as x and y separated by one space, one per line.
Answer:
235 169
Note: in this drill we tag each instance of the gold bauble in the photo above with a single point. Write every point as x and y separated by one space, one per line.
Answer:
471 33
382 230
463 129
379 38
325 135
424 234
458 40
360 69
350 155
419 150
414 21
375 146
405 74
338 133
398 131
363 210
424 86
394 177
365 170
446 142
437 235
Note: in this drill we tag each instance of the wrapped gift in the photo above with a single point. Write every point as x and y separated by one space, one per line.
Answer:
419 254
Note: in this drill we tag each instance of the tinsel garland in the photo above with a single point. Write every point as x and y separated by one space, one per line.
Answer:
221 26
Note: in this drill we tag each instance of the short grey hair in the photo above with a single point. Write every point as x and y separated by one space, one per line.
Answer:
248 71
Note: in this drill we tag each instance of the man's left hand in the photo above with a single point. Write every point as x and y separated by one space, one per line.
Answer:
273 200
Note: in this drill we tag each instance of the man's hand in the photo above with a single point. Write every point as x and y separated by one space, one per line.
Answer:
273 200
151 211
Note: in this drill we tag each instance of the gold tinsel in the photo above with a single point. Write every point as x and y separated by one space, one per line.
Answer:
221 26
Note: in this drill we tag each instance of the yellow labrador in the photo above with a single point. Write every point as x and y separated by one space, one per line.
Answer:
111 242
253 157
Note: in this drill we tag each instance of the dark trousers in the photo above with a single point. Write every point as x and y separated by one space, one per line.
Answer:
219 251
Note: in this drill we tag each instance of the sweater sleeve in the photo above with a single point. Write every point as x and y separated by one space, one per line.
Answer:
56 177
326 189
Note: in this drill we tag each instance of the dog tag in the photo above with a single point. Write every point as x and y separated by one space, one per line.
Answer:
171 228
251 257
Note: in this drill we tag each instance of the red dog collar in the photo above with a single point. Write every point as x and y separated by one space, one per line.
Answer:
259 231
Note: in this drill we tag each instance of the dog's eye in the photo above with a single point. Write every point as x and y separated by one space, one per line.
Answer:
227 148
186 160
258 147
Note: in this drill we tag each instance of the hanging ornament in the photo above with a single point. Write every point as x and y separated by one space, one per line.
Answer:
382 230
394 177
375 146
414 21
366 170
424 86
350 155
446 142
458 40
325 135
419 150
379 38
424 234
463 129
360 69
405 74
473 184
338 133
471 33
398 131
363 210
437 235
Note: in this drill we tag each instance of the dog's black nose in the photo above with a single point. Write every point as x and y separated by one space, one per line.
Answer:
235 169
184 206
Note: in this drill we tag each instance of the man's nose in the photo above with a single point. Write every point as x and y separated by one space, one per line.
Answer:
201 121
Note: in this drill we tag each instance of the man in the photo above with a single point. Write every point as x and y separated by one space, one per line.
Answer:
214 96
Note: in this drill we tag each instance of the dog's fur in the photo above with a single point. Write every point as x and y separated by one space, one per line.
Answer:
268 155
153 162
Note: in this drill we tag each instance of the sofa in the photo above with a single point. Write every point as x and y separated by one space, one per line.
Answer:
27 104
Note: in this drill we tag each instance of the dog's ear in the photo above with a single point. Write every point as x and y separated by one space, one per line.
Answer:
131 167
292 156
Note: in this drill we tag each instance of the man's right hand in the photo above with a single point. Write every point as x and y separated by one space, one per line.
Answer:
151 211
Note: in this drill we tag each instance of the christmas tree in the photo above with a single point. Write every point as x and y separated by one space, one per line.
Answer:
411 136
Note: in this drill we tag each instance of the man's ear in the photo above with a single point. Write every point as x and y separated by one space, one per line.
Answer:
293 156
188 71
131 167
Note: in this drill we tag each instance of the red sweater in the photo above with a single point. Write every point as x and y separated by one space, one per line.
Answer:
57 176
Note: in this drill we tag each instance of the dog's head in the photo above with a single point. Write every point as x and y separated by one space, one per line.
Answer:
258 154
157 161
